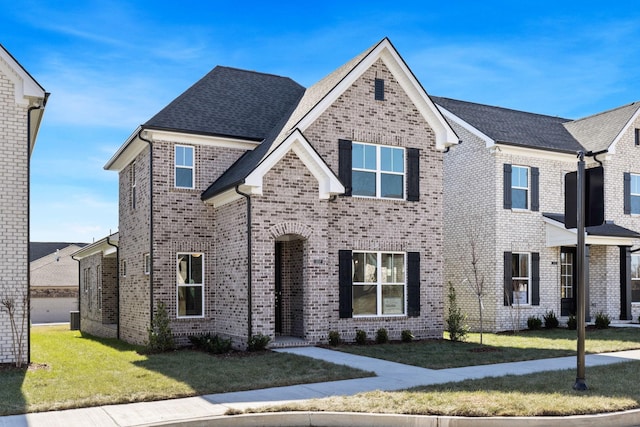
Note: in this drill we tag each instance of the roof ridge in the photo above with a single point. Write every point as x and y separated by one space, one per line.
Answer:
606 111
503 108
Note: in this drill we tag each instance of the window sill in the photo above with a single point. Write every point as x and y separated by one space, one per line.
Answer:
516 210
378 316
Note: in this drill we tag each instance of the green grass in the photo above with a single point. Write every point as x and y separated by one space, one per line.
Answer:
611 388
499 348
84 371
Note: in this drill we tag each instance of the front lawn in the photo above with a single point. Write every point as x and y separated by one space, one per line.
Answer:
72 370
498 348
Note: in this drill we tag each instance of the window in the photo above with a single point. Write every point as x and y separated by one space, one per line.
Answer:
123 268
566 275
520 278
184 167
133 185
519 187
99 285
147 263
379 89
635 194
190 276
377 171
635 278
85 280
378 284
637 136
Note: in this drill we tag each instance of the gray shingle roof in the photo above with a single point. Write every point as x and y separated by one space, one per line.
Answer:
38 250
230 102
599 131
514 127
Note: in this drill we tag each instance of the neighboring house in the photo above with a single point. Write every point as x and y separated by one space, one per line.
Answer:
504 201
98 263
251 205
22 102
54 281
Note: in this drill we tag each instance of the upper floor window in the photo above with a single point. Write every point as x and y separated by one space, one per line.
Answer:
377 171
190 283
378 283
133 185
635 194
521 187
146 259
184 169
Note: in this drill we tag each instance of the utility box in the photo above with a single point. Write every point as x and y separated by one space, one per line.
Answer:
74 320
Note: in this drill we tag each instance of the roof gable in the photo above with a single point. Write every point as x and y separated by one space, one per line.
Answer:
602 131
513 127
26 87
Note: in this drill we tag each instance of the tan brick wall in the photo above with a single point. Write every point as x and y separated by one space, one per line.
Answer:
14 205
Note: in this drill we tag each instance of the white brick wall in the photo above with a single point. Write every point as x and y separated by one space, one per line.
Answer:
14 207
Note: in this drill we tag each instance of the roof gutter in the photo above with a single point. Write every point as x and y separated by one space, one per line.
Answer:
249 278
150 225
117 283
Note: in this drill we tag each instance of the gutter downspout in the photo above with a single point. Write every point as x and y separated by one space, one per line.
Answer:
249 278
117 283
150 227
29 110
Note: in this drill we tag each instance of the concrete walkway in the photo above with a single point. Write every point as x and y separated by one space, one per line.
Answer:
209 410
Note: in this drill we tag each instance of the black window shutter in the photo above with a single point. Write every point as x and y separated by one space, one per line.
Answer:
413 174
413 284
627 193
535 278
508 286
535 189
379 90
507 186
345 290
344 164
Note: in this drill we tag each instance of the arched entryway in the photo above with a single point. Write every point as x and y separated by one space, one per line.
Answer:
290 258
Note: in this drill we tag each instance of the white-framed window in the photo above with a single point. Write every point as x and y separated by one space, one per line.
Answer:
379 283
635 194
519 187
99 286
184 170
520 277
378 171
635 277
566 274
190 284
133 185
146 259
85 280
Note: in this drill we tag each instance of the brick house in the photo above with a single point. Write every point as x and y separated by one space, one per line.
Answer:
504 201
54 281
251 205
22 102
98 287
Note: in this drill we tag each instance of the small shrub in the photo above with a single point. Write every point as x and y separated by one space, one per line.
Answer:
160 335
534 323
334 338
550 320
361 337
258 342
382 336
211 343
407 336
572 323
602 321
456 325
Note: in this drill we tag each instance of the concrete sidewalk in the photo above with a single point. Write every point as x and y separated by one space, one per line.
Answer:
205 410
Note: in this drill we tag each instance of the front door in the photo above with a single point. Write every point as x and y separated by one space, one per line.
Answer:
278 288
568 280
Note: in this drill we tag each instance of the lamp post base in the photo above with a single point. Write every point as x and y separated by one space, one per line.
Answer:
580 385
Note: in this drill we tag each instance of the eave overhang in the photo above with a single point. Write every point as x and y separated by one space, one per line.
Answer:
557 235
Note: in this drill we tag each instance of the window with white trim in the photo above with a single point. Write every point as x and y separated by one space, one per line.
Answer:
519 187
520 278
635 278
133 185
379 284
635 194
566 274
378 171
147 263
99 285
190 284
184 169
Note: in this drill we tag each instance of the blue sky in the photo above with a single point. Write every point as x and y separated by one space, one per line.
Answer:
111 65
